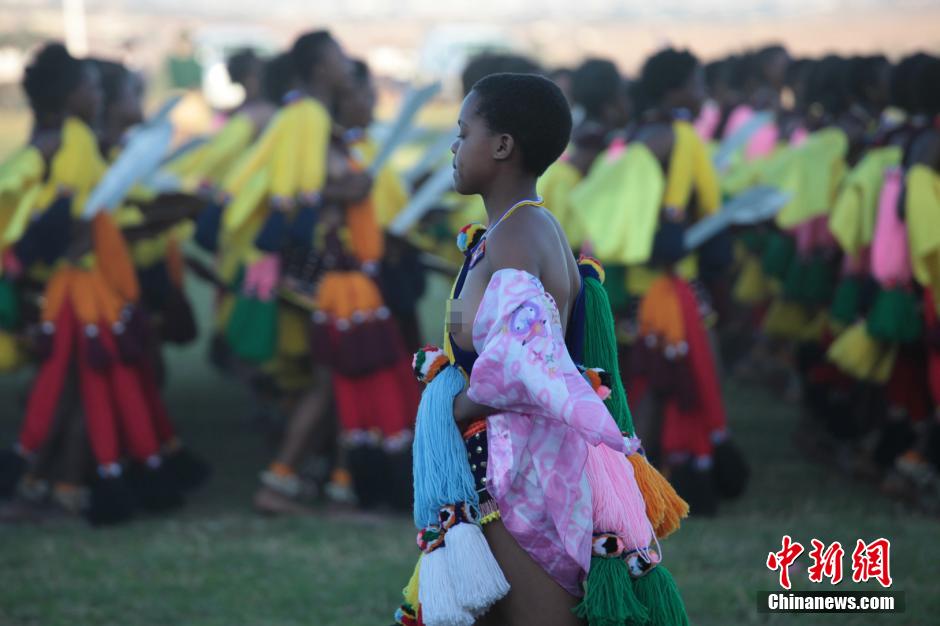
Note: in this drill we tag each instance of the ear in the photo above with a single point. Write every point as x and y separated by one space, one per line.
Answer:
503 145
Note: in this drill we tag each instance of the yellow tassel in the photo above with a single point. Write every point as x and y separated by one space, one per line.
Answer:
11 357
858 355
410 592
664 508
787 320
752 286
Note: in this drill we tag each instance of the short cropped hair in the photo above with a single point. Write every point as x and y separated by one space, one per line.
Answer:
50 78
665 71
530 108
487 63
594 84
308 50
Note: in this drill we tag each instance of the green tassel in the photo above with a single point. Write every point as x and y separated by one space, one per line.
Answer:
844 307
252 329
894 317
658 592
793 283
754 240
609 597
778 255
616 286
819 280
9 306
600 349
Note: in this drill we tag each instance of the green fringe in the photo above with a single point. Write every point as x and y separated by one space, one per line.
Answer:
819 280
252 329
600 350
754 240
9 306
778 255
794 280
660 595
845 302
895 317
609 597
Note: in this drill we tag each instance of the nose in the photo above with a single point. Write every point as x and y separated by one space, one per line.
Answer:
453 147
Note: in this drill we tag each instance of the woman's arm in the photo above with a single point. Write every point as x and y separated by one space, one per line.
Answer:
466 410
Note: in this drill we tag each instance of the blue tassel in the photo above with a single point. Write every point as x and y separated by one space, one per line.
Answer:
273 233
301 227
208 224
441 471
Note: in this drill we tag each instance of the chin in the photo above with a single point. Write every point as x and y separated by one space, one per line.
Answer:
460 187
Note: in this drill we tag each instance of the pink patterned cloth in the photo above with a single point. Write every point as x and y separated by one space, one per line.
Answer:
538 445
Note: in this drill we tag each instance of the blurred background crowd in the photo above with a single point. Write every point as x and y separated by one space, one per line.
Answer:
162 337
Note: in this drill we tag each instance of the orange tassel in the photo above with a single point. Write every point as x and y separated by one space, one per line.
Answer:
109 304
82 295
664 508
57 290
660 314
114 259
174 262
365 236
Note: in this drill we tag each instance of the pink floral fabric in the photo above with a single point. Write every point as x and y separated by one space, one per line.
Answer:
538 445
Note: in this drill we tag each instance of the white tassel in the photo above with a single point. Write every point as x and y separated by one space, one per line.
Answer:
437 587
481 582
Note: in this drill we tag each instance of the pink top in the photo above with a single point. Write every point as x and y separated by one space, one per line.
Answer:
538 445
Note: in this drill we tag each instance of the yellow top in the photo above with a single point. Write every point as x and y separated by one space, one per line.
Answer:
75 168
210 162
812 173
556 186
923 226
852 220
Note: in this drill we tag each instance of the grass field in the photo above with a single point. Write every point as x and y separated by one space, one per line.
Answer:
219 564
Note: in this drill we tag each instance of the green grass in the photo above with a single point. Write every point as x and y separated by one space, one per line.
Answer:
217 563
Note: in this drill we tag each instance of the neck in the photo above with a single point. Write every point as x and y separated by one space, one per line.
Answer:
502 197
319 92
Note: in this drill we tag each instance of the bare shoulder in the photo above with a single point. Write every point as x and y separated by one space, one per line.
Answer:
531 240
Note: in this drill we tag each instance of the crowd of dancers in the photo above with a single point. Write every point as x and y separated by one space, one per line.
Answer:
829 298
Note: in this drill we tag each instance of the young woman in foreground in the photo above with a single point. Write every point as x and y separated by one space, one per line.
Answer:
556 481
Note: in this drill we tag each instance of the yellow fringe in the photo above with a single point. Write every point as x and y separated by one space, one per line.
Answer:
858 355
410 592
664 508
752 286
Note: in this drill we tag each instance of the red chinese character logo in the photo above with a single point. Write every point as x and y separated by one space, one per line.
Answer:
872 561
827 563
783 559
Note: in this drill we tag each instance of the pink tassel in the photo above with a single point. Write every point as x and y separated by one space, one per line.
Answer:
889 249
617 501
262 276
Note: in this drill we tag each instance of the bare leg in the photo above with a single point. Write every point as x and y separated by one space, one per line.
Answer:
307 419
534 597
